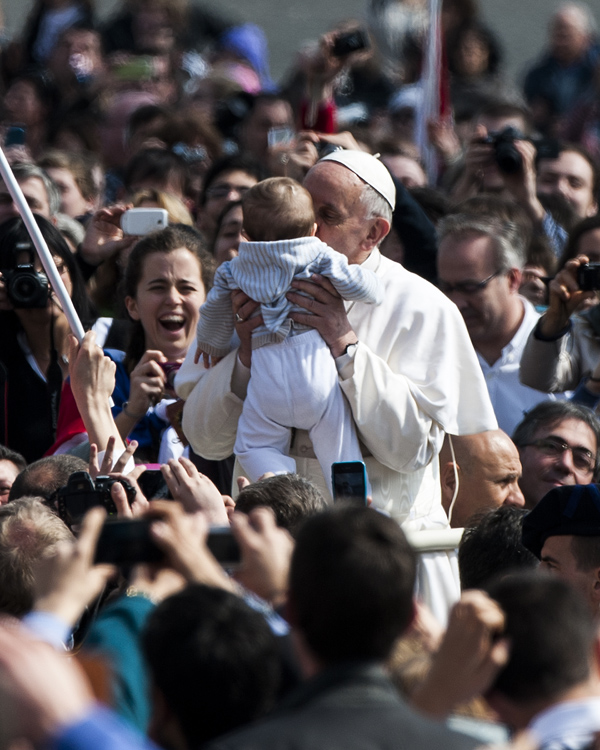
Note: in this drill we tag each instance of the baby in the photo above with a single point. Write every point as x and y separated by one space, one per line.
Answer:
294 380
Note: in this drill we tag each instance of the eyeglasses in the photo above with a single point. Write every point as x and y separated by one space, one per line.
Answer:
583 459
467 287
222 191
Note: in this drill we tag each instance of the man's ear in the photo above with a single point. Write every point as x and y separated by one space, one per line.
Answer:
379 229
448 482
314 229
515 278
132 308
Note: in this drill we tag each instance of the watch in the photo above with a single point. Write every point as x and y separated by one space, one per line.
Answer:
351 349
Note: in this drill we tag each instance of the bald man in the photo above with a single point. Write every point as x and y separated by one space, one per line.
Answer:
488 469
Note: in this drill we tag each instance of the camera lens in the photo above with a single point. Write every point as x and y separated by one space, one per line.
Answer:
508 158
23 289
27 288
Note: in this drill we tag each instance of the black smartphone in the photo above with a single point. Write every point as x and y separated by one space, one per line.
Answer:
352 41
349 480
152 484
224 546
125 541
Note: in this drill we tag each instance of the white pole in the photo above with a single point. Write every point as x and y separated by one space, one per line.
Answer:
430 83
40 245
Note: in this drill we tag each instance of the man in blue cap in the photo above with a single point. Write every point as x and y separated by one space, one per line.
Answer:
563 531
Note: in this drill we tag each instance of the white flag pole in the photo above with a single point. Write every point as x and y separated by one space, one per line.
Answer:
42 248
430 82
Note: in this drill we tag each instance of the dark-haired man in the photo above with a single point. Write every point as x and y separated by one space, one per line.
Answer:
550 682
350 598
292 499
563 531
226 180
11 465
572 175
558 444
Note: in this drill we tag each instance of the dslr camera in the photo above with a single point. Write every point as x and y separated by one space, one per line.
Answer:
508 158
81 493
26 288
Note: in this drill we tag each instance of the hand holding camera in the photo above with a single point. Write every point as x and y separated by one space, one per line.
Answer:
572 286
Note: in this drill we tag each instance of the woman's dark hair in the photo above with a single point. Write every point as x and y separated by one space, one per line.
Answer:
484 35
572 247
227 209
15 239
44 87
166 241
158 165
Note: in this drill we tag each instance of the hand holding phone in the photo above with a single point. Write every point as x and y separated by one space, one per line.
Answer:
140 221
349 481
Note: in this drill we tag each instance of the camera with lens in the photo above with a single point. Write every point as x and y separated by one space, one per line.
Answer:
26 287
81 493
506 154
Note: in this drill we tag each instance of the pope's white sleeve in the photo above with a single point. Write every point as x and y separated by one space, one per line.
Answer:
212 408
390 422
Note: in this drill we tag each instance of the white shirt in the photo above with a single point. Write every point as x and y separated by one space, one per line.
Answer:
510 398
571 724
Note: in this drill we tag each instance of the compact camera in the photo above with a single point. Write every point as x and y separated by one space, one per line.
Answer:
26 287
81 493
507 156
588 277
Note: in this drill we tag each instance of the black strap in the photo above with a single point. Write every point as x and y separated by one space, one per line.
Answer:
54 379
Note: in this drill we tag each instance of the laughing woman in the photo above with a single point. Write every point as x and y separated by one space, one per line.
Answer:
167 278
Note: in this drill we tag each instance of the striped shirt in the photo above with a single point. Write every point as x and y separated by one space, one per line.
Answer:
265 271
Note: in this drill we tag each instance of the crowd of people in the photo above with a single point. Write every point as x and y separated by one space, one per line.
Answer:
276 278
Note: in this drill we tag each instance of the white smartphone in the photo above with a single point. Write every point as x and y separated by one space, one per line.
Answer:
280 137
139 221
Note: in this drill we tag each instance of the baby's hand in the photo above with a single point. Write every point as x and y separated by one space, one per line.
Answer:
207 360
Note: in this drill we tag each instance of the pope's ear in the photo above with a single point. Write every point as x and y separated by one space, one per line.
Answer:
379 229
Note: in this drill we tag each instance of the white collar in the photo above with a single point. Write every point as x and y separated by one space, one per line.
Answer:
571 722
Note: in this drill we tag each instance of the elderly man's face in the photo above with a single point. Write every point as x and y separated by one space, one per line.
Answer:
569 38
559 455
340 213
464 263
